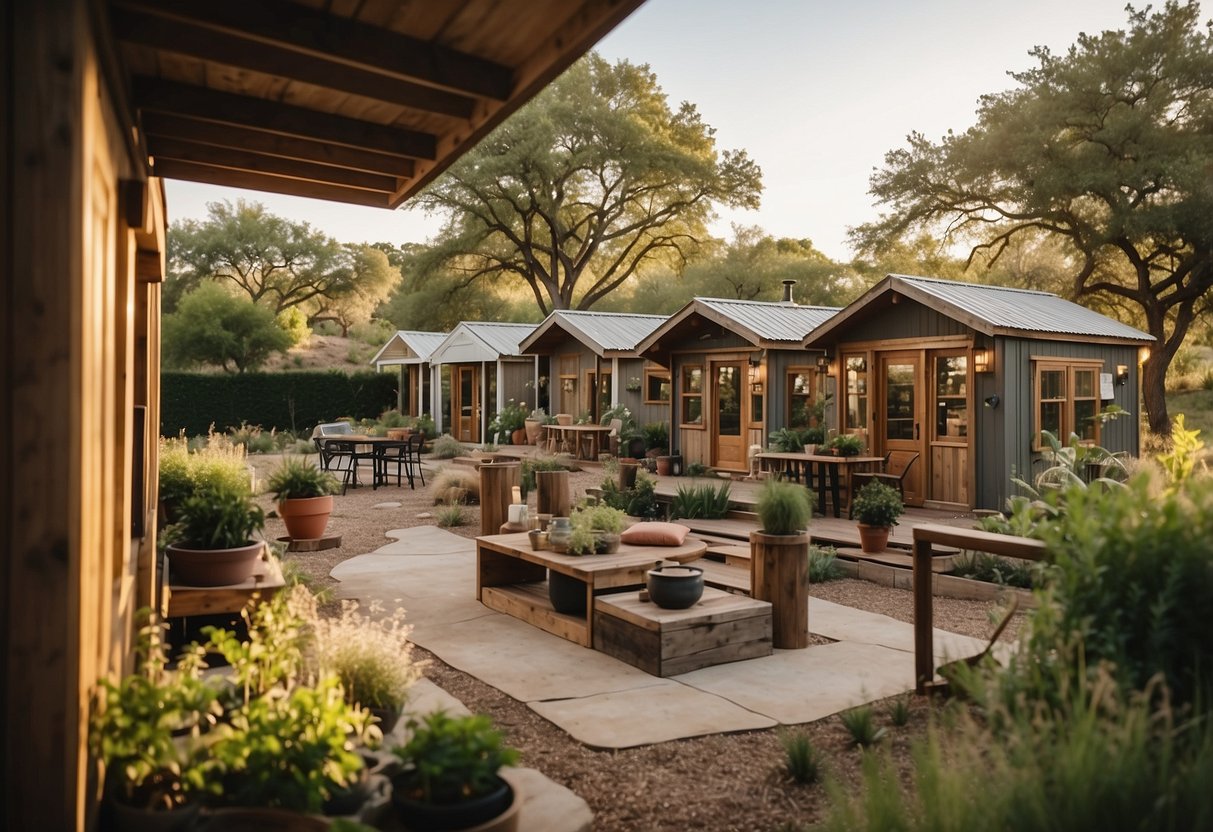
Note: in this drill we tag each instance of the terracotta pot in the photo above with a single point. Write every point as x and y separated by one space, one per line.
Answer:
518 437
399 434
306 517
532 427
873 539
214 567
664 465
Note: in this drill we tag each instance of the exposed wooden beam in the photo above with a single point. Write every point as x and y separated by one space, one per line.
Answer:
333 38
149 265
235 159
194 172
222 47
271 144
263 114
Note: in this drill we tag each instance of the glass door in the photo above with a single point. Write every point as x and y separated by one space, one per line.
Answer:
728 439
467 405
901 409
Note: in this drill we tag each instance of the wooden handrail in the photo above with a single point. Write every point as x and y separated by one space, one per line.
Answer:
925 537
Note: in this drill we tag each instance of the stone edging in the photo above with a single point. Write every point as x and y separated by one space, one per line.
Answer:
948 586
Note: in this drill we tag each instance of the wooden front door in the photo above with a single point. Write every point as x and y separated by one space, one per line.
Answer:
898 425
728 416
466 404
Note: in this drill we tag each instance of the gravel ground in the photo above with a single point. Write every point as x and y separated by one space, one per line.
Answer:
721 782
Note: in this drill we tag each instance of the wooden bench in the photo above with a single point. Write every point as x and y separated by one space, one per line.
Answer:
722 627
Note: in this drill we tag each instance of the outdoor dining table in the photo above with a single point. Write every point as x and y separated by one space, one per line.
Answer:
835 468
377 443
574 433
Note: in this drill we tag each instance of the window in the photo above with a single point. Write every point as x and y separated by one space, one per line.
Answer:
597 392
656 386
692 396
951 398
855 379
1066 399
567 399
801 397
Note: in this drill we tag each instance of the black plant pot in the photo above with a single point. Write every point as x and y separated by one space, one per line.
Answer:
420 816
675 587
566 594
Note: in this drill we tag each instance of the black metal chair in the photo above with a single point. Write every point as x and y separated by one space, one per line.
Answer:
393 454
348 450
416 446
897 465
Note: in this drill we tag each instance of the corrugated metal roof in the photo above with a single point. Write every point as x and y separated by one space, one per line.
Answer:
421 343
772 321
611 330
502 338
1021 309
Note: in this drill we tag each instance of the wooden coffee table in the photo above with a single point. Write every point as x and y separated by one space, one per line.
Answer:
512 578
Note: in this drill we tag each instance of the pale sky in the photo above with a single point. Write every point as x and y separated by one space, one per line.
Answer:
816 92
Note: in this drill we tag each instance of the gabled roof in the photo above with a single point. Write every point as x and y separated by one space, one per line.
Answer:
408 346
992 310
480 341
609 334
764 324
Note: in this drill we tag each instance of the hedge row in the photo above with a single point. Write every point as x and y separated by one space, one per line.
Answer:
286 401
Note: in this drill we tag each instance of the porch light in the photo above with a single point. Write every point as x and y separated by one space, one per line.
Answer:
1122 374
823 364
981 361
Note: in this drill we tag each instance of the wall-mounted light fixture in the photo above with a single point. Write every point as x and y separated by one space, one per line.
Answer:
993 401
1122 374
823 364
982 362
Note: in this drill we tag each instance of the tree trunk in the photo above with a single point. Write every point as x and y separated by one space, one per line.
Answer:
1154 394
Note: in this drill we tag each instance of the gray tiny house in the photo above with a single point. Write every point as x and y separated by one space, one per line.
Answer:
968 376
476 369
739 370
591 362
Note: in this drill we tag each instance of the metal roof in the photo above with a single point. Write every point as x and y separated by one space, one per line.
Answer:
1024 310
482 341
603 332
422 344
771 321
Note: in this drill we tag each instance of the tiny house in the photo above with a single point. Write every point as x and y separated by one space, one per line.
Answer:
968 376
476 369
591 361
410 351
738 370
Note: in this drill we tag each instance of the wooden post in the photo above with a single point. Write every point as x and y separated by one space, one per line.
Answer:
627 474
779 573
552 493
497 482
924 648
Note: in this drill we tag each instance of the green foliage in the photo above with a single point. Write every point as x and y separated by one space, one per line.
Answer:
637 184
215 519
448 447
370 653
294 323
791 440
272 655
1075 464
510 418
424 424
296 478
213 327
695 469
803 762
451 515
823 565
707 502
394 419
982 566
784 507
1180 463
847 444
589 521
861 724
295 401
1103 147
877 504
292 751
638 501
450 759
656 436
135 722
899 711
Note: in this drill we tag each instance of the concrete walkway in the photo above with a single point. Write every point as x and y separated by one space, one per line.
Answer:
605 703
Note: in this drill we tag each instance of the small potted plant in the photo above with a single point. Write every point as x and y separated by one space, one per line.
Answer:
847 444
779 559
596 529
877 507
452 776
212 542
305 497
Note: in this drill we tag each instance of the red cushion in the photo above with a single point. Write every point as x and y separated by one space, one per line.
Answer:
655 534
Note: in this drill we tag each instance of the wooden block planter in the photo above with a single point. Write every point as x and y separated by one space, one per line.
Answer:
721 628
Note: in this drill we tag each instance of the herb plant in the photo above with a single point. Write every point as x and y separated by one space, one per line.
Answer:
296 479
784 507
450 759
878 505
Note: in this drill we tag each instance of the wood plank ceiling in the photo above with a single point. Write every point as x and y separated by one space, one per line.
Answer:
359 101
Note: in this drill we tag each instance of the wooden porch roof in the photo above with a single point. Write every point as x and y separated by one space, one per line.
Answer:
358 101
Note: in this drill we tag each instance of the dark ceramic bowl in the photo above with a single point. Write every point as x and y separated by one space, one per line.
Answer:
675 587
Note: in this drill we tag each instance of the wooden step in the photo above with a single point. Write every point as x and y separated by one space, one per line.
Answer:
732 554
729 529
889 557
723 576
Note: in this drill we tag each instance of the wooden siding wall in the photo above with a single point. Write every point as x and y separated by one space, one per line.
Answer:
695 444
905 320
585 357
778 362
80 351
515 375
634 401
1004 446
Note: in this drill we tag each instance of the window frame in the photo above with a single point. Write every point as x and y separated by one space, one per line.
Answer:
660 374
1069 367
810 397
684 397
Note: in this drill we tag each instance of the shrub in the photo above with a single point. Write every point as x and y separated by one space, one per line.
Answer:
215 519
370 654
823 565
878 504
696 469
802 760
451 515
638 501
784 507
656 436
847 444
448 447
982 566
296 479
394 419
861 725
456 485
708 502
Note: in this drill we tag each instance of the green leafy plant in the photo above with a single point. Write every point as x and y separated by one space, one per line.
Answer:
786 440
656 436
590 522
271 654
638 501
1181 462
847 444
450 759
370 653
899 711
1075 463
708 502
982 566
802 760
861 725
448 447
424 424
296 479
784 507
394 419
878 504
217 520
695 469
823 565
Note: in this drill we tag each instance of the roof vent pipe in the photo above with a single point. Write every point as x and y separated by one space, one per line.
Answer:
787 291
